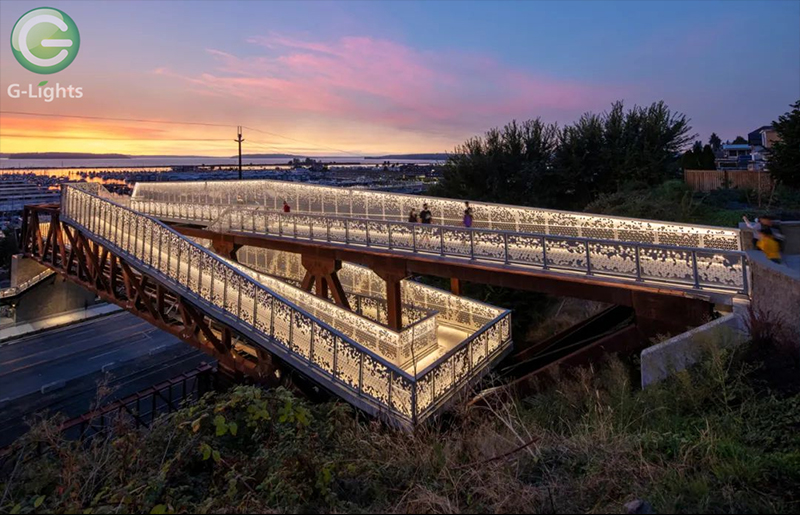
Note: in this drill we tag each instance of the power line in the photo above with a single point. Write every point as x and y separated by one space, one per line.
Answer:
61 136
297 140
138 120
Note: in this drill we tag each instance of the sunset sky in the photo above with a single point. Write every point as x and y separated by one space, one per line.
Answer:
358 78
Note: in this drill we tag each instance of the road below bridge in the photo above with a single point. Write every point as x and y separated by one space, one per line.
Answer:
59 370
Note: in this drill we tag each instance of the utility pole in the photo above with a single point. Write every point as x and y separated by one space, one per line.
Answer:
239 140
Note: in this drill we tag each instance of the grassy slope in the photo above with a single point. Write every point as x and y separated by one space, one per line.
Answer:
713 440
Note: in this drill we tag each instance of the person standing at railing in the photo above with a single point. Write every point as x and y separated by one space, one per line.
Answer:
426 218
467 215
412 217
425 215
286 208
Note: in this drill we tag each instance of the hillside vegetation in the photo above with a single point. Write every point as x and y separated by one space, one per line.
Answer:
716 439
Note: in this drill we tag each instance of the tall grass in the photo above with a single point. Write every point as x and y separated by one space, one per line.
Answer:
708 440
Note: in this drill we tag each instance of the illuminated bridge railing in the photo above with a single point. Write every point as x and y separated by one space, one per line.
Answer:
367 302
684 267
314 347
361 282
377 205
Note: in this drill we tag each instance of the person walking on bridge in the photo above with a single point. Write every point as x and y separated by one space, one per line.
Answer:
426 218
467 215
412 217
769 245
286 208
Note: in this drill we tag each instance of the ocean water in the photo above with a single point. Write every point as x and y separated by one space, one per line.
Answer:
158 162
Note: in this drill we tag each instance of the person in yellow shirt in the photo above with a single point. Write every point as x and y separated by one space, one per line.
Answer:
769 245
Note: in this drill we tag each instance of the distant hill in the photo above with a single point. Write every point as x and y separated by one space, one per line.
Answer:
427 157
64 155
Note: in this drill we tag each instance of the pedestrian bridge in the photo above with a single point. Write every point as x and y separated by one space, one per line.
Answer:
605 250
250 320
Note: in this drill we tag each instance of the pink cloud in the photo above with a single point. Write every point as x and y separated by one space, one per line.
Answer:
389 83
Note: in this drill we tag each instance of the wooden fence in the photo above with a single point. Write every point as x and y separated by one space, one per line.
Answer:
708 180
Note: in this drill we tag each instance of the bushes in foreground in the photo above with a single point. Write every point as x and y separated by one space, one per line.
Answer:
711 440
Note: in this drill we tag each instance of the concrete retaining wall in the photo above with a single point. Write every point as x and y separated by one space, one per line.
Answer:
679 353
23 269
776 292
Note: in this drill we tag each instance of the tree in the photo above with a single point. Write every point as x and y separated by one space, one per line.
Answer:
535 164
784 160
698 158
709 159
740 140
715 142
640 147
501 165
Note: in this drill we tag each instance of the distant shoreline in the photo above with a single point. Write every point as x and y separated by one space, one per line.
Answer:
88 155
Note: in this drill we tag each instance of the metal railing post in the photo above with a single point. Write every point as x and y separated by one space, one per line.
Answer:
505 246
588 259
544 253
472 244
694 270
638 264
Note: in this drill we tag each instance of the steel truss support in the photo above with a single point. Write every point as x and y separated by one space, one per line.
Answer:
76 256
322 275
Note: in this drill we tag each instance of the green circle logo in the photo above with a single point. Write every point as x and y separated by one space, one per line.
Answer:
45 40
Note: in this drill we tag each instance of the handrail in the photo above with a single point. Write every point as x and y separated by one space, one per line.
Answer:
261 190
244 276
487 245
374 380
361 282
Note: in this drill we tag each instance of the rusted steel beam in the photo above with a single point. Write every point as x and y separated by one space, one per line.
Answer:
394 301
337 290
308 281
321 287
140 294
225 248
455 286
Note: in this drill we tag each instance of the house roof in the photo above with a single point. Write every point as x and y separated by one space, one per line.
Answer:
738 146
757 131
